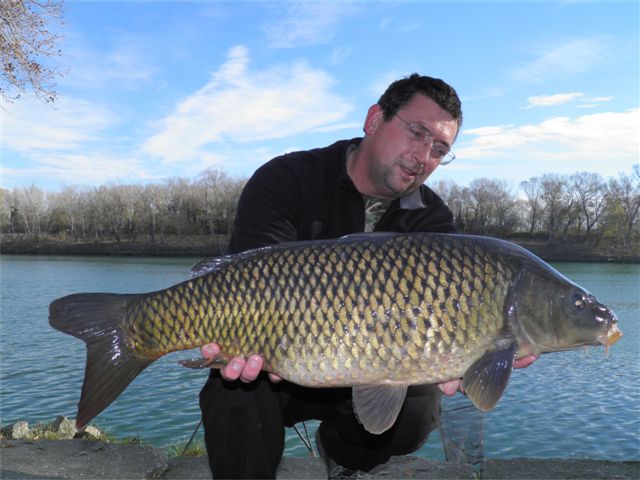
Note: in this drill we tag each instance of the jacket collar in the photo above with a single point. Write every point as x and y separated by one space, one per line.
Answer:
412 201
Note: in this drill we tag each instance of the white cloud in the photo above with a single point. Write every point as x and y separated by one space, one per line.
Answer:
75 168
308 23
70 142
596 139
30 125
601 99
562 61
594 102
240 105
552 100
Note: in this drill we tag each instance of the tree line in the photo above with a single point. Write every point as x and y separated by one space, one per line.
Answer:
583 206
177 206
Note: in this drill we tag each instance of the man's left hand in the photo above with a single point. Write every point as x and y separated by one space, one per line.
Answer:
450 387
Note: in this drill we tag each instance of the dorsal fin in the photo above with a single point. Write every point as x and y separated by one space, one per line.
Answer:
370 235
210 264
213 264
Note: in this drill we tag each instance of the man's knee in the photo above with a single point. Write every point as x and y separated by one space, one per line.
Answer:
418 418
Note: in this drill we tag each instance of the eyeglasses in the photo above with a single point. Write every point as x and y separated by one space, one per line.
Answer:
418 133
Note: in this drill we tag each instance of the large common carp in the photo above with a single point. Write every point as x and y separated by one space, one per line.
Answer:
377 312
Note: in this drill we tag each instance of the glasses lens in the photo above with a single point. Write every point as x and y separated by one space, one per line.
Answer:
448 158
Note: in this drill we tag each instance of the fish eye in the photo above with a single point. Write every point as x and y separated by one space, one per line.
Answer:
578 301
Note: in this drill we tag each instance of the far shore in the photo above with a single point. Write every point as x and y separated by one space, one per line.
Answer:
208 246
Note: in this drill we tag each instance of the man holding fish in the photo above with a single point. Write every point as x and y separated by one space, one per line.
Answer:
367 329
374 183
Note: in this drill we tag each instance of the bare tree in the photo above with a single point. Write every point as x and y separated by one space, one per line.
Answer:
558 204
207 206
624 193
589 191
6 225
28 42
155 199
70 202
533 190
456 198
28 207
212 183
491 206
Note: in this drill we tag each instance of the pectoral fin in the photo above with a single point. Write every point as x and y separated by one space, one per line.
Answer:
377 407
487 378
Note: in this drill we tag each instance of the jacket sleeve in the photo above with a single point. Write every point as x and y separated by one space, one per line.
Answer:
267 209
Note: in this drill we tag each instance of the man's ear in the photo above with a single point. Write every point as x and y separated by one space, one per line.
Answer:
373 120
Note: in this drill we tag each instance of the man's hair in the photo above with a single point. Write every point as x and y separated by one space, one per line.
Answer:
402 91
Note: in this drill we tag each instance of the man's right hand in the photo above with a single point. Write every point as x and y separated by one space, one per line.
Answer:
246 370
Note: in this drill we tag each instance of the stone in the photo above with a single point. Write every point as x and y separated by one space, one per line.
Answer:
17 431
79 459
89 433
551 469
83 459
63 427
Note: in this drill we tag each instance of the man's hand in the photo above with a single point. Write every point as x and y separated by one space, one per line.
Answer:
450 387
246 370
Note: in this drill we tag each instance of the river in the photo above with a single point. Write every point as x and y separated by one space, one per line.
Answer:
579 404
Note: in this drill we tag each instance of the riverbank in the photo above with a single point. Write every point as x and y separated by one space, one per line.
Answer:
84 459
168 246
207 246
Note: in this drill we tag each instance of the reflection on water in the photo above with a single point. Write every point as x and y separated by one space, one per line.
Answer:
568 404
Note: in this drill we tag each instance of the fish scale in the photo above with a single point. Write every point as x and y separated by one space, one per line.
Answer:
377 312
297 293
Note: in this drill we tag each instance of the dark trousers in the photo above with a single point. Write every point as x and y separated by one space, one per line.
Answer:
244 425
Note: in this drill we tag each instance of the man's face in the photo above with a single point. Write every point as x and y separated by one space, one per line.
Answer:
399 161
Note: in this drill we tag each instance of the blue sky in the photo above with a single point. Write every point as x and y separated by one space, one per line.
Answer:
155 90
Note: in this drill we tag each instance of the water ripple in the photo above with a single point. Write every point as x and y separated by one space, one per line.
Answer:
566 405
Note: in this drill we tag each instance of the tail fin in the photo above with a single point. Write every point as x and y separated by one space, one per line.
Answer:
96 319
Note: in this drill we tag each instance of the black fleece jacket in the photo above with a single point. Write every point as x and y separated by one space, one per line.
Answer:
308 195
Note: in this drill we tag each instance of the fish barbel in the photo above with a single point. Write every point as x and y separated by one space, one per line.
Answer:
377 312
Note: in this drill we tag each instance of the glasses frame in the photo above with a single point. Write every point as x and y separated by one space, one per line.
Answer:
446 159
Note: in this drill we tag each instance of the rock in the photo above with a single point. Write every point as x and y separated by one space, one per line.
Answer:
539 469
188 468
79 459
63 427
82 459
301 468
415 467
16 431
89 433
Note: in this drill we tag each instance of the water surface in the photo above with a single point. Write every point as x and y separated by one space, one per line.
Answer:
581 404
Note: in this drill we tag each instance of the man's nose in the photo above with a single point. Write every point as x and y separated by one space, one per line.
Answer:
423 153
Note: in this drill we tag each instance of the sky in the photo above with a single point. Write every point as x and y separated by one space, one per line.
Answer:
155 90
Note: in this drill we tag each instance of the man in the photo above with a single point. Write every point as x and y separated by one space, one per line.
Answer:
362 184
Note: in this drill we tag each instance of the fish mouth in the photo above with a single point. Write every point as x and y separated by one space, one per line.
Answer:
605 316
611 336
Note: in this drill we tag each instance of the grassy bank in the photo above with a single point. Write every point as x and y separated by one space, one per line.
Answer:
207 246
168 245
64 428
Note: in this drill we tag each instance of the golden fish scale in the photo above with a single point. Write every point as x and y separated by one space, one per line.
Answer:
408 310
